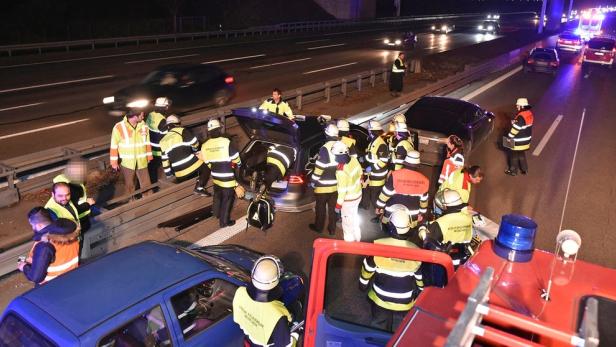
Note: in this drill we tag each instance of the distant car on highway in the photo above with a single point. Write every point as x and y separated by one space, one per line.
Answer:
493 16
433 117
542 60
186 86
489 27
305 136
148 294
600 50
443 27
401 40
570 42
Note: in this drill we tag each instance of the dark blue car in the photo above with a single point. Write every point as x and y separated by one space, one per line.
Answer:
149 294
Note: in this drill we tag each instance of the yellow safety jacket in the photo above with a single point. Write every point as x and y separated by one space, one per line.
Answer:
350 143
66 258
397 282
257 319
402 148
221 157
378 157
398 66
349 181
324 175
282 157
521 130
458 181
130 145
81 199
156 125
179 147
282 108
63 212
456 227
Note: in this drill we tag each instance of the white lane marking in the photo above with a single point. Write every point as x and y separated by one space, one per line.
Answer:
328 68
280 63
57 83
223 234
474 93
232 59
327 46
546 137
312 41
21 106
164 58
43 129
577 143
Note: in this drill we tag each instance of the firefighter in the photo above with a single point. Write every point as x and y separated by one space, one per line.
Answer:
222 158
396 81
130 150
276 105
393 284
75 175
348 176
343 132
156 123
461 180
454 159
377 159
278 161
405 186
323 180
521 133
257 308
403 146
390 135
181 156
55 249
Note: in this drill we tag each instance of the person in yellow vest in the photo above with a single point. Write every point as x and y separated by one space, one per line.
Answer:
61 206
403 146
156 123
55 250
462 180
276 105
222 158
257 308
377 159
324 182
348 176
396 81
130 150
75 175
344 129
393 284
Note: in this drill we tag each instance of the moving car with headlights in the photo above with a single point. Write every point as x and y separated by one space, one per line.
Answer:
489 27
305 136
401 40
185 86
542 60
148 294
600 50
443 28
569 42
433 117
493 16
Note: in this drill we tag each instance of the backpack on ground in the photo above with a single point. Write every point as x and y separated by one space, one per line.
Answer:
261 213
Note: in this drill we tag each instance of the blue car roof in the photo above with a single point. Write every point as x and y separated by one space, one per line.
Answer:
95 292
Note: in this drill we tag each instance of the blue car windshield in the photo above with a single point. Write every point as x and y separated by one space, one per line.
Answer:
222 265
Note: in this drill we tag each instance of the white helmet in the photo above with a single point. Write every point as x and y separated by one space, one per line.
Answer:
401 128
374 125
266 272
448 198
331 130
339 148
458 159
173 119
400 219
162 102
522 102
412 158
343 125
213 124
399 118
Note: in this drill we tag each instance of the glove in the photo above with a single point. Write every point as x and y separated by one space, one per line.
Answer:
338 208
312 185
369 169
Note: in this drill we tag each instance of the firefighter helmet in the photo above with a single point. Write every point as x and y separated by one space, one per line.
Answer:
374 126
266 272
331 130
162 102
400 219
340 148
522 102
343 125
401 128
213 124
399 118
173 119
448 198
412 158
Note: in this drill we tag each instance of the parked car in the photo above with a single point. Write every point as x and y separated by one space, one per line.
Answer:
148 294
600 50
305 135
570 42
401 40
489 27
443 28
185 86
542 60
432 118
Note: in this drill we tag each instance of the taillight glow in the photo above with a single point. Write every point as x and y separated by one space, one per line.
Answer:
554 63
229 80
295 179
531 61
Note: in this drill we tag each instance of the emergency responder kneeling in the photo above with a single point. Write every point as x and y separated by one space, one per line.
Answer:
181 156
222 158
324 181
257 308
348 176
278 161
393 284
376 159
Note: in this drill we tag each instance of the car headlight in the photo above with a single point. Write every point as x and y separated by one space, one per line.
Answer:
386 41
398 42
433 27
489 16
444 28
490 27
480 27
108 100
139 103
497 16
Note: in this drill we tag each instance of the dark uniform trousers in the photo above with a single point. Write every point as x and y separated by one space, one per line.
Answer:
387 320
326 203
370 196
223 202
271 175
202 173
517 159
155 169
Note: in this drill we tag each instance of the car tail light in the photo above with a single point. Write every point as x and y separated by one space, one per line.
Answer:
554 63
531 61
229 80
296 179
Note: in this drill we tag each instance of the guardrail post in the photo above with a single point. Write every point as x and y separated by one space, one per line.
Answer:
328 91
9 195
298 99
343 87
385 76
359 83
372 78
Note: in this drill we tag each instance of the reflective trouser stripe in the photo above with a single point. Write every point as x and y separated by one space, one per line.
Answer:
188 170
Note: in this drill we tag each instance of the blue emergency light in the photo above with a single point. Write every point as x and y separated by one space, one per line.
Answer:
516 238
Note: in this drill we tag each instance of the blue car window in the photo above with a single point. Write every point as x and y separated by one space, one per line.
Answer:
14 332
199 307
148 329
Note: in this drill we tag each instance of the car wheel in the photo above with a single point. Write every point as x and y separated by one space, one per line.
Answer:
221 98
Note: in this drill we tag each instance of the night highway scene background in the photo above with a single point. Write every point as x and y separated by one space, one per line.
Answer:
307 173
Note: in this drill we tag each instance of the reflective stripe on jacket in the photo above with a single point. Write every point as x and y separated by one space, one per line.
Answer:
157 125
460 182
398 66
221 156
378 158
282 108
449 166
407 187
130 145
349 181
179 146
521 130
63 211
78 200
324 175
282 157
399 154
456 227
66 258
